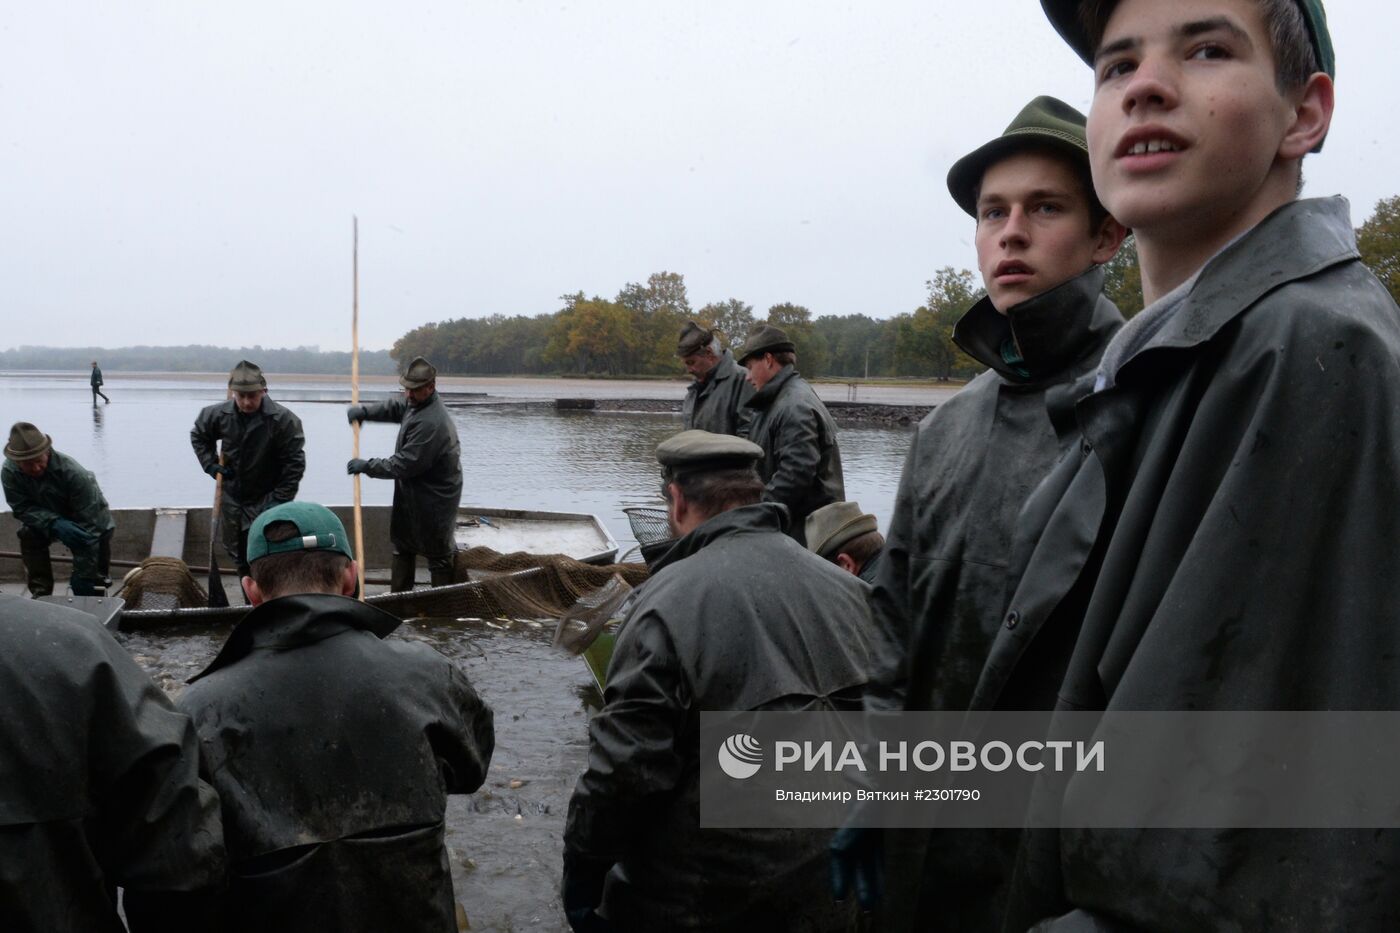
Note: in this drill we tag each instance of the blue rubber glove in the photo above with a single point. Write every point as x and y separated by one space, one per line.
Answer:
355 413
72 535
858 861
357 466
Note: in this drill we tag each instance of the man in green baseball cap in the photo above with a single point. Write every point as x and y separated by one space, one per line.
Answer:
332 745
1224 539
1041 238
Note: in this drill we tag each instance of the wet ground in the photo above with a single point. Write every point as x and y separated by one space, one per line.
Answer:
504 840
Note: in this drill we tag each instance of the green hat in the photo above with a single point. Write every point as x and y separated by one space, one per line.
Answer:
317 530
833 526
693 339
246 377
27 443
765 338
1064 16
1043 123
418 374
701 451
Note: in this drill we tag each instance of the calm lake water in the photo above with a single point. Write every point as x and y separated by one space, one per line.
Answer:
504 841
138 446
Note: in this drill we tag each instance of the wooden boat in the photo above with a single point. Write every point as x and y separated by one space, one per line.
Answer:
184 533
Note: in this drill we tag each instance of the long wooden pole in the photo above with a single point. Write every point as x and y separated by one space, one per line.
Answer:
355 394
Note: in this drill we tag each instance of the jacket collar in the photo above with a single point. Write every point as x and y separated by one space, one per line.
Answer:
759 517
293 621
1298 239
765 396
1053 330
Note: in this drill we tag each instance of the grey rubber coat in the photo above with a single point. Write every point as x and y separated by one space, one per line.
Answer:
265 451
801 466
718 404
65 490
720 625
333 751
1223 541
427 472
100 775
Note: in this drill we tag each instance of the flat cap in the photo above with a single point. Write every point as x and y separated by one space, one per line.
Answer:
26 443
693 339
765 338
833 526
692 451
246 377
418 374
1044 123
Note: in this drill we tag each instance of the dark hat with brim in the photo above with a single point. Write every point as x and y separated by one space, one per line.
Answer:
693 339
703 452
833 526
418 374
765 338
246 377
1044 123
27 443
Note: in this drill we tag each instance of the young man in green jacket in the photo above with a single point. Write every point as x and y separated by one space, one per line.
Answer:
1223 538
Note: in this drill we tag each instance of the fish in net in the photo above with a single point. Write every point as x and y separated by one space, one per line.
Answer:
162 583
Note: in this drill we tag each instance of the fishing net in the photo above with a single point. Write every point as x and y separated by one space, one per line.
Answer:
162 583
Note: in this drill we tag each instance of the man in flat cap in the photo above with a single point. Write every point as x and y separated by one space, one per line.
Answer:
721 601
333 746
262 458
846 536
801 466
715 400
1041 238
427 472
55 499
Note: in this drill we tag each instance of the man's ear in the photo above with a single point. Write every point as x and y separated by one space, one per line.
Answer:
1108 240
254 592
847 563
1312 117
350 580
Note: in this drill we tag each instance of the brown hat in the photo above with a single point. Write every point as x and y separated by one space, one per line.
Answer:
833 526
246 377
765 338
27 443
691 451
418 374
693 339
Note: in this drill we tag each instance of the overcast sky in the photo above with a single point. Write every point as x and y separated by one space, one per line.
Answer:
186 172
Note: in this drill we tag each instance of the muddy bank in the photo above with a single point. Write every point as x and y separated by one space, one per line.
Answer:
843 412
505 840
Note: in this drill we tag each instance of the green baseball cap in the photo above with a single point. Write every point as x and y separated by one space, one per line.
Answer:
317 530
1043 123
1064 16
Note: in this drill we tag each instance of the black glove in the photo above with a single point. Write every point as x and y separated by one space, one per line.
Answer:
356 413
73 536
858 860
357 466
218 470
582 891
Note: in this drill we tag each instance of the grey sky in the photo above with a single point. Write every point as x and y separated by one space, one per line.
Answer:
185 172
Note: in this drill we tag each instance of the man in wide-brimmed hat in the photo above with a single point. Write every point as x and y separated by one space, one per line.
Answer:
801 466
427 472
263 456
55 499
715 399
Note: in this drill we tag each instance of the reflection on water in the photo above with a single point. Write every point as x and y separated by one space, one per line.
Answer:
512 457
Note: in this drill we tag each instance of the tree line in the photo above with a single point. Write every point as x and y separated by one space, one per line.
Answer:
196 358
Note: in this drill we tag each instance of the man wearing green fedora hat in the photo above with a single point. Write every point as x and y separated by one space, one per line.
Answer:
715 400
1041 238
262 459
426 468
55 499
801 465
1224 537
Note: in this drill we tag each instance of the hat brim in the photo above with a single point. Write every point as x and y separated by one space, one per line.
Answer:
1064 16
414 383
965 177
20 456
860 525
783 346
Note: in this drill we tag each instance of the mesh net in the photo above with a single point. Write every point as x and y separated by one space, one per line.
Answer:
162 583
648 523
